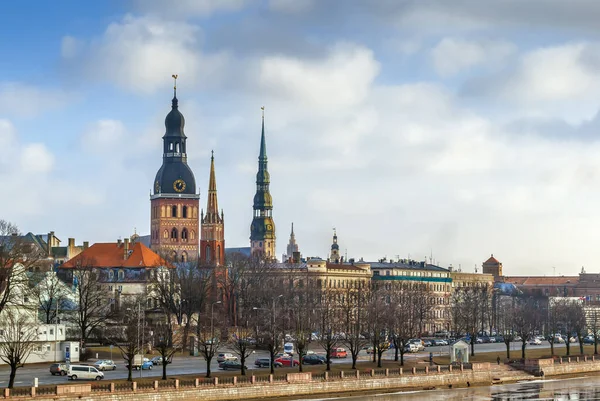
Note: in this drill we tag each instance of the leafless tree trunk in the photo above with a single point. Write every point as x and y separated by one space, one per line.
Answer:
18 340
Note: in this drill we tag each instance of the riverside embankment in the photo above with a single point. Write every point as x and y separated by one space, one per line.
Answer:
301 384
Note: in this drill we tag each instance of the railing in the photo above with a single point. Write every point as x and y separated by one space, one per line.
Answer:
244 380
319 376
45 390
395 372
280 378
145 385
166 383
20 392
123 386
262 379
187 383
206 382
226 380
101 387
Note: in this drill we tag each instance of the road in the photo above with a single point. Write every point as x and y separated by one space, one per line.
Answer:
190 365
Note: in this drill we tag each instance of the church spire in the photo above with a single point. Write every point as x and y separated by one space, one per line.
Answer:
262 156
212 205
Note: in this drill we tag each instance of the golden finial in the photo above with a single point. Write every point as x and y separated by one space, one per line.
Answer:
175 78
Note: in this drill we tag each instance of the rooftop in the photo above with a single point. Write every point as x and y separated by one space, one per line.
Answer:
112 254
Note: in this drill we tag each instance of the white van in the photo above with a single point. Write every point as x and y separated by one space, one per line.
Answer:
288 348
84 372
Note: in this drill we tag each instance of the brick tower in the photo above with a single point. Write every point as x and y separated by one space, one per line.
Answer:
212 240
174 203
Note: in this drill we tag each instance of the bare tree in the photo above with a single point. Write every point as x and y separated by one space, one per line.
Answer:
50 293
525 319
578 322
328 321
208 340
594 325
466 312
354 320
241 345
165 347
127 336
504 320
378 318
404 325
17 257
555 312
93 306
18 339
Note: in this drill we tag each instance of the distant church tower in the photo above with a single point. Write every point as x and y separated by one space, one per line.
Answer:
492 266
262 230
212 240
174 203
334 257
292 246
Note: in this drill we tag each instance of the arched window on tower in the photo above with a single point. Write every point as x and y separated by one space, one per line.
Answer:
174 234
218 255
208 253
184 234
173 211
192 234
171 146
184 213
166 234
177 147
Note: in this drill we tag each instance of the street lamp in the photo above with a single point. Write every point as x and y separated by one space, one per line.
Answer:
212 327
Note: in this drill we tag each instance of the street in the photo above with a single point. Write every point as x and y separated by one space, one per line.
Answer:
184 365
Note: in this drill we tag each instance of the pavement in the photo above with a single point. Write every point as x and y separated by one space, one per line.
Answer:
185 365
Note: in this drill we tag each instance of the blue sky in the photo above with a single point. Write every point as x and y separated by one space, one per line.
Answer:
457 128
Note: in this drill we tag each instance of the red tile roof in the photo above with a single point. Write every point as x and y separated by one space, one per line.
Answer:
492 260
112 254
542 280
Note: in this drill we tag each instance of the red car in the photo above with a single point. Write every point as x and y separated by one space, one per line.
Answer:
287 362
339 353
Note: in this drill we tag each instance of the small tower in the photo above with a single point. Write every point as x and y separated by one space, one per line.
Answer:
334 257
492 266
292 245
174 202
212 240
262 230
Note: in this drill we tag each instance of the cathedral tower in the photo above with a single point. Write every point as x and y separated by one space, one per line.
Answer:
174 202
262 230
212 240
334 257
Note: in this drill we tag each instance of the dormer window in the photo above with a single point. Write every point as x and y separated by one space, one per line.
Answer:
111 275
121 274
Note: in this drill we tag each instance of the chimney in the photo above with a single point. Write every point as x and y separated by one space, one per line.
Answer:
86 244
50 243
125 248
119 242
71 248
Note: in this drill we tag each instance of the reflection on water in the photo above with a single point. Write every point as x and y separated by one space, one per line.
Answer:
558 390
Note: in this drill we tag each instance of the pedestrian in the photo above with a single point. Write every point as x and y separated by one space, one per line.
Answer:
431 358
498 359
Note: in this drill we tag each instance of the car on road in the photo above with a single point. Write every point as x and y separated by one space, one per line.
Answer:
226 356
105 364
313 359
231 365
339 353
84 372
287 362
145 365
59 369
157 360
535 341
428 343
266 363
411 347
288 348
439 342
588 340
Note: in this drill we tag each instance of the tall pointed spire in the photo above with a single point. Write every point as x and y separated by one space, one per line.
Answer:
212 205
262 156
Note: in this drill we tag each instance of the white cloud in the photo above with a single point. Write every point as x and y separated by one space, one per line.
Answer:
104 135
454 55
24 100
291 6
36 158
141 53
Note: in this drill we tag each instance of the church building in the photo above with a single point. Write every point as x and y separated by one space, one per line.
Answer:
212 240
174 202
262 230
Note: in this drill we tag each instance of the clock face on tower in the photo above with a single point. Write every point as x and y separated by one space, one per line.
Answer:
179 185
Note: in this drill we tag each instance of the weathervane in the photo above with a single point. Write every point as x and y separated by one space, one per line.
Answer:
175 84
263 112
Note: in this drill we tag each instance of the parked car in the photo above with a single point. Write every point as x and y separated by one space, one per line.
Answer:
288 348
84 372
558 340
535 341
339 353
105 364
313 359
288 362
428 343
231 365
411 347
418 342
589 340
226 356
157 360
60 369
439 342
266 363
573 340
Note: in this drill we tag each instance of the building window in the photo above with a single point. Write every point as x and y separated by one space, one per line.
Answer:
110 288
120 288
184 234
184 213
174 233
121 274
51 332
166 234
173 211
111 275
192 234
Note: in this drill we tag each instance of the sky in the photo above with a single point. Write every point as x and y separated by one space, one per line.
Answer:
417 128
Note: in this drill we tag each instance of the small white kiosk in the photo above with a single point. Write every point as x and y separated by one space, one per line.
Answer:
459 352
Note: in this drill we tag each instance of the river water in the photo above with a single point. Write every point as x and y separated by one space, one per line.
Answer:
586 388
